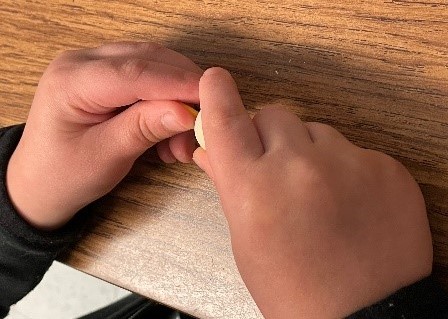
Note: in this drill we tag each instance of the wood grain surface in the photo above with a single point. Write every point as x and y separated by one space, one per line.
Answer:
377 71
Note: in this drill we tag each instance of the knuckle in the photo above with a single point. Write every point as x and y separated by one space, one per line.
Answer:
225 119
57 67
65 56
56 77
275 109
151 47
324 132
383 164
391 164
147 47
323 128
312 174
53 73
276 114
145 134
132 69
265 114
130 48
61 67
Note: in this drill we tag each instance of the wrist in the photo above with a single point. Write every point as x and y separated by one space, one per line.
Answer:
32 200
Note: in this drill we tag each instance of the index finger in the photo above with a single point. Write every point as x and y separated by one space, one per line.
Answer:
145 50
105 84
230 136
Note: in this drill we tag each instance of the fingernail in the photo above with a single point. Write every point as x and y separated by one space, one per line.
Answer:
171 123
191 110
170 159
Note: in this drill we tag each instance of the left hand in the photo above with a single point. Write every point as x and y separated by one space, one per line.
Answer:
94 113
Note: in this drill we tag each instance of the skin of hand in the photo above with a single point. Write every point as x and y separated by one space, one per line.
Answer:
94 113
320 228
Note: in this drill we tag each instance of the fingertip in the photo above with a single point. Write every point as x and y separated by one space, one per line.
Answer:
190 110
182 146
198 155
201 160
185 115
215 76
164 152
215 71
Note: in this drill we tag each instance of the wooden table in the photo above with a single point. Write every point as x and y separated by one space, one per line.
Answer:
378 71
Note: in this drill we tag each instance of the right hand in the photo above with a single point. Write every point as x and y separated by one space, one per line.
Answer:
319 227
94 113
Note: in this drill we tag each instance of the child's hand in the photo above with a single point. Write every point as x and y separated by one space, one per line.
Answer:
94 113
319 227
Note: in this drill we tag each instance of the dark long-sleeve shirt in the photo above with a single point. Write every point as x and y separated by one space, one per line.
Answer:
26 253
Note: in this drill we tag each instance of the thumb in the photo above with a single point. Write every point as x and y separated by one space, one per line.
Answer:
130 133
230 136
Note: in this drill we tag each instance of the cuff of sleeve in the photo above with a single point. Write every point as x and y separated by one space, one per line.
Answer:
424 299
12 223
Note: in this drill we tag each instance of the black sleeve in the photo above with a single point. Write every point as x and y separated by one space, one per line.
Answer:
25 253
423 300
